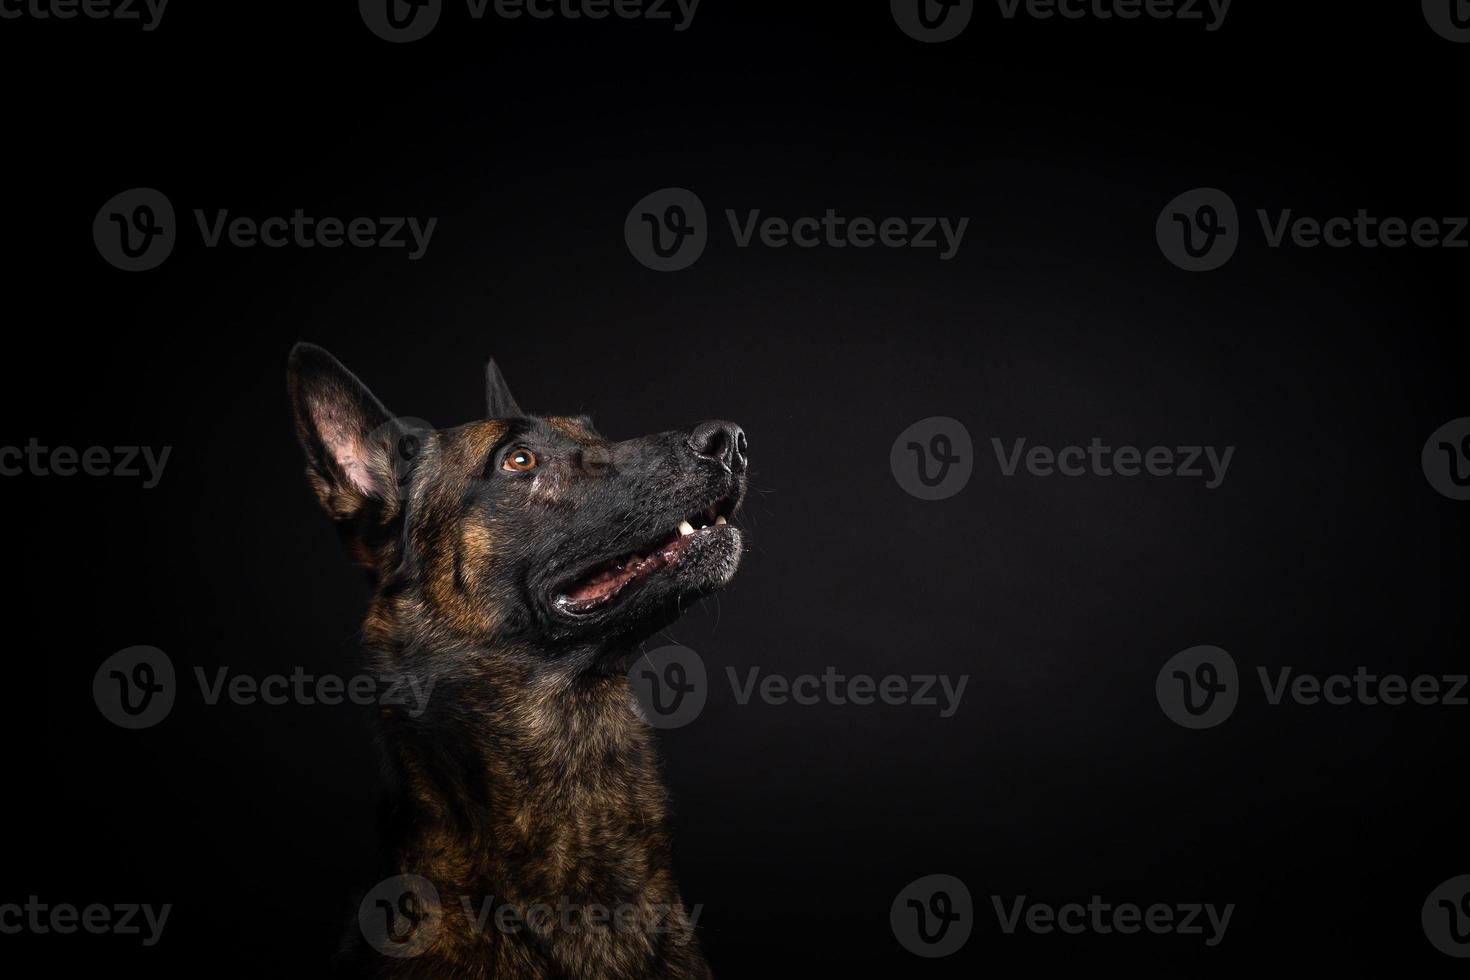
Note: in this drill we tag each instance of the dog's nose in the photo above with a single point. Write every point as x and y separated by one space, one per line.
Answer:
723 442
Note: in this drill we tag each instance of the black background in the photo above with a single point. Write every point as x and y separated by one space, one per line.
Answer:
1059 777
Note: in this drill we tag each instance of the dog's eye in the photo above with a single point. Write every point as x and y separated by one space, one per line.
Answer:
519 461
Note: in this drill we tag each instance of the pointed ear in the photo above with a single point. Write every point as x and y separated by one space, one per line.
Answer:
499 404
345 433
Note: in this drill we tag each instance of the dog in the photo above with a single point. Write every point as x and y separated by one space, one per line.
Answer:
517 564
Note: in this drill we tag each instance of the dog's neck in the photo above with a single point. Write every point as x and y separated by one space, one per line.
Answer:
523 791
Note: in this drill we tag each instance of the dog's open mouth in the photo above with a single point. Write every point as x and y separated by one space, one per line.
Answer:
611 579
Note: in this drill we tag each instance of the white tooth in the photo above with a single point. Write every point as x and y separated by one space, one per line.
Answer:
721 520
685 529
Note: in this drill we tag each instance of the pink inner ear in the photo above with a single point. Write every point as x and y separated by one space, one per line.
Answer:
345 440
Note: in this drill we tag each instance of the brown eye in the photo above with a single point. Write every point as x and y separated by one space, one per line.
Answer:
520 461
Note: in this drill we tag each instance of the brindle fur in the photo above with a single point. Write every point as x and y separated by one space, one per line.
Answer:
530 778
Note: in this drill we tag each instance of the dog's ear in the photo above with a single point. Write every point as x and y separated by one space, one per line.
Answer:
498 401
346 434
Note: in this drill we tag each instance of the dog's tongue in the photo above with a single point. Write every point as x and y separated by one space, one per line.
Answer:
605 582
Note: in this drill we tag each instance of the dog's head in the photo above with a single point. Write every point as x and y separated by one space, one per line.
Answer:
527 529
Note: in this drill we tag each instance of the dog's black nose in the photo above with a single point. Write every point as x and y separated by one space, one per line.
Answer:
723 442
